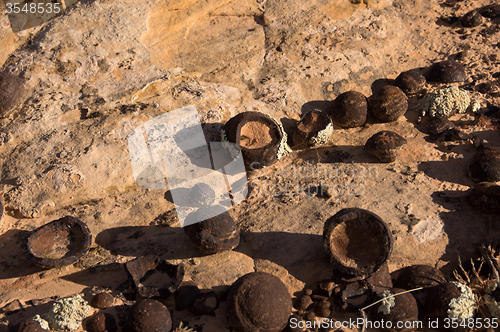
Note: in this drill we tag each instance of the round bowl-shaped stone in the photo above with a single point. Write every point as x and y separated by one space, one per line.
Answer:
404 310
258 301
358 243
447 71
485 166
258 136
416 276
411 81
385 145
485 197
314 129
147 316
58 243
349 109
214 234
388 104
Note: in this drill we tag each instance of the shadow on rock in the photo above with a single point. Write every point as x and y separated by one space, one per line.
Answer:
13 263
166 242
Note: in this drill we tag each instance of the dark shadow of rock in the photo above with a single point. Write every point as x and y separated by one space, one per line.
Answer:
108 276
165 242
454 171
12 262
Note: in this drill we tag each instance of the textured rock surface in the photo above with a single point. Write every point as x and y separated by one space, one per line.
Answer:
103 68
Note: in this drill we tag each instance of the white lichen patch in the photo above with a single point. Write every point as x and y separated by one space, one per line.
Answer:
322 137
462 307
283 148
387 303
444 101
491 302
43 323
67 314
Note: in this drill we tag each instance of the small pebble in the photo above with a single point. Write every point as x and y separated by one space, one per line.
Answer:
102 301
310 316
385 145
349 109
411 81
485 165
440 124
388 104
472 19
308 292
448 71
323 309
487 88
101 322
304 302
463 55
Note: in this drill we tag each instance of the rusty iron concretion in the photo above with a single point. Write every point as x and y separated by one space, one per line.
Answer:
59 243
154 277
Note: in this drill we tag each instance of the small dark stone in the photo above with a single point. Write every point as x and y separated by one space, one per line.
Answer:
326 287
102 301
310 316
440 124
201 194
304 302
411 81
463 55
101 322
205 304
485 197
147 316
213 234
380 280
448 71
349 109
458 134
185 295
12 89
405 309
485 165
490 11
487 88
472 19
323 309
30 325
385 145
416 276
388 104
259 301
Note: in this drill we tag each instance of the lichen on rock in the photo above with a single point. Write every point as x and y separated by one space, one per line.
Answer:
462 307
67 314
388 302
444 101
